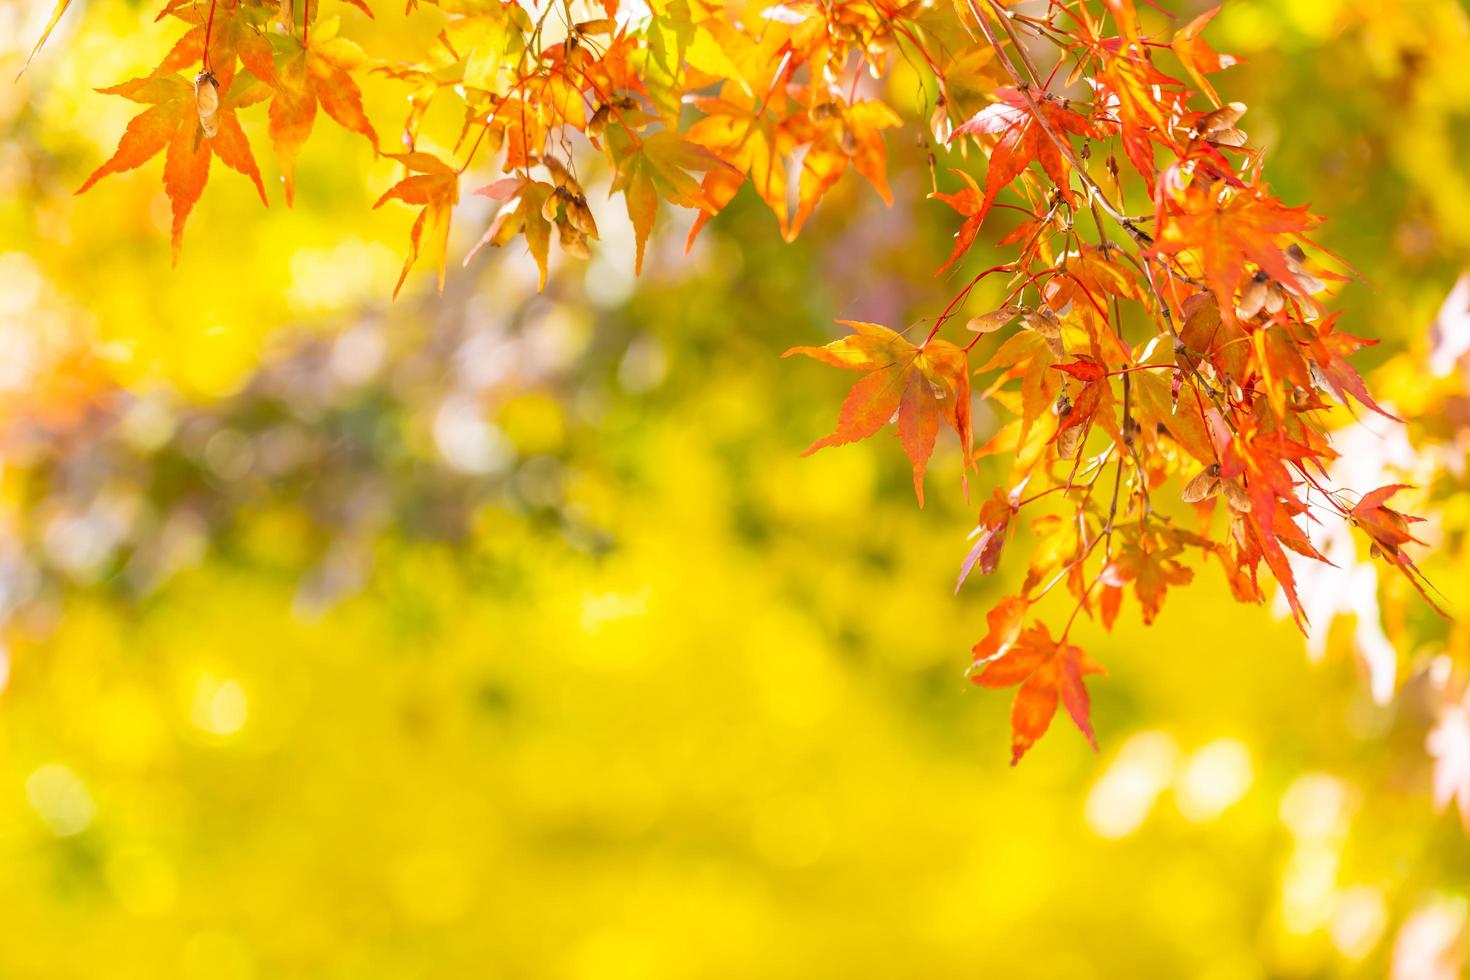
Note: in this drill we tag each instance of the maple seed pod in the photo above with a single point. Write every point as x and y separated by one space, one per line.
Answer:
1275 298
580 217
1253 297
560 175
552 205
598 122
573 242
1219 122
1261 295
994 320
206 102
1043 321
1205 485
1062 406
1236 496
939 123
1045 325
1296 262
1301 398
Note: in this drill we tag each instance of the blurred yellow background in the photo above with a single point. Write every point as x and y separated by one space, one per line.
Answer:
505 635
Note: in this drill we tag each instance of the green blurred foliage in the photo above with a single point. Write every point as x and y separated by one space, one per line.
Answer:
509 635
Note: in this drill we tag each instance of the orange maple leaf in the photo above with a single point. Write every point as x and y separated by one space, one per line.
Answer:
1047 671
1196 55
434 185
172 121
526 217
1388 529
310 76
232 37
1024 137
750 138
1151 567
653 166
1229 229
972 204
917 384
842 135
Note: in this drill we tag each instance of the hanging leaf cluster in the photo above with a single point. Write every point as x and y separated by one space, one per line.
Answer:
1162 356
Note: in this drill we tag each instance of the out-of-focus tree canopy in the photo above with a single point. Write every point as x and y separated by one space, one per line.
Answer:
506 632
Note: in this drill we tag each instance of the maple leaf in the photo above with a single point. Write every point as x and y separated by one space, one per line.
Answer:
1026 135
172 122
1152 568
1095 396
971 204
433 185
1125 16
527 217
846 134
1183 419
1228 230
1141 103
1263 460
990 536
1047 671
750 137
654 166
232 37
1205 335
56 12
1329 350
1388 529
308 76
918 384
1027 355
1004 620
1198 58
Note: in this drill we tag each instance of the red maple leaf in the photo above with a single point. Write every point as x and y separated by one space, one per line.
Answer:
1388 529
1047 671
1026 135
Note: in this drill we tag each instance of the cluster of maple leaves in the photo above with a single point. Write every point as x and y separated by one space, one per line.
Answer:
1161 349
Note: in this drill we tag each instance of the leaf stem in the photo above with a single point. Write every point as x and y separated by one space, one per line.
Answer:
208 33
